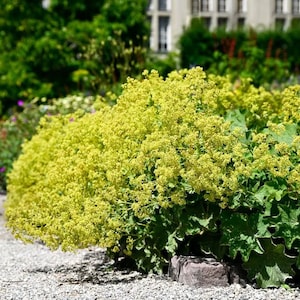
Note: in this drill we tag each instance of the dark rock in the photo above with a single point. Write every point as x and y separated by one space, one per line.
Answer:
198 272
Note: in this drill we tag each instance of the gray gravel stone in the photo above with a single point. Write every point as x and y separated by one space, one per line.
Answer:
33 272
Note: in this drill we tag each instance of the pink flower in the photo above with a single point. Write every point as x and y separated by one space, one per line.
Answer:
2 169
20 103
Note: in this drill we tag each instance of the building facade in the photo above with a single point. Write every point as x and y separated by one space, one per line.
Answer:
168 18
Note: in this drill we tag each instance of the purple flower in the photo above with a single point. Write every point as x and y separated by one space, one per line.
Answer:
2 169
13 118
20 103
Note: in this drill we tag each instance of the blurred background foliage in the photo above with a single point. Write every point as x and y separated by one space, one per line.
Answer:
69 46
269 57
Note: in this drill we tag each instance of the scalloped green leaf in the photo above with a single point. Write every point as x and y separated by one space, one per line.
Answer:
172 244
287 136
272 268
268 192
198 218
287 224
240 233
237 119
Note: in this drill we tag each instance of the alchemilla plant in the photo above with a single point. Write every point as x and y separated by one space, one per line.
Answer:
186 158
21 125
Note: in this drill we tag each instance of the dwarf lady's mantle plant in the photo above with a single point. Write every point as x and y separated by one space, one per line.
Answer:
175 158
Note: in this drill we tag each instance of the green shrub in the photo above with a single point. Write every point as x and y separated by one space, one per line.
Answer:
268 57
270 73
196 45
164 65
188 157
69 47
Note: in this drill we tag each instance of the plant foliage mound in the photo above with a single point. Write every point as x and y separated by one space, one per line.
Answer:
186 164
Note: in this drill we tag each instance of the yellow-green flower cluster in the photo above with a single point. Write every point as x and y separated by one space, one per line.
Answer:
83 176
276 150
262 105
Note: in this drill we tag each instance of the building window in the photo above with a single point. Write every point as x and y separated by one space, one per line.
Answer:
221 5
164 5
195 7
222 23
206 22
279 23
241 6
296 7
279 6
204 5
241 23
163 34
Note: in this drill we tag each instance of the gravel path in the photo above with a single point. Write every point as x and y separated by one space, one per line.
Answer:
34 272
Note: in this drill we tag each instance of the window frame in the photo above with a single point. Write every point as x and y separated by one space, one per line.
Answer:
279 6
205 5
195 7
164 5
222 6
296 7
163 34
224 22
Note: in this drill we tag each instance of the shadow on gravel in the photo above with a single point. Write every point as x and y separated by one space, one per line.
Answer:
95 268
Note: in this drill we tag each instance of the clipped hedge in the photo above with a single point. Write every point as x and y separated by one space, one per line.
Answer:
185 158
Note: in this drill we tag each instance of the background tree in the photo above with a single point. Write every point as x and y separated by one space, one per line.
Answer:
268 57
69 46
196 45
